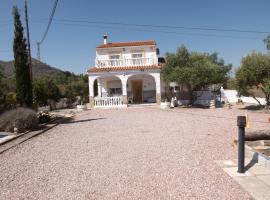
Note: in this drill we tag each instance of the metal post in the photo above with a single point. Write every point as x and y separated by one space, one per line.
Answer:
241 123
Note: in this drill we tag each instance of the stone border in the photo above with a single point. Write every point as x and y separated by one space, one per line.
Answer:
34 134
255 180
11 137
257 156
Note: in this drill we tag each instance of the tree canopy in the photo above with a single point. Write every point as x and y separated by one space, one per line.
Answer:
254 72
267 42
21 64
44 90
1 78
196 70
1 86
67 85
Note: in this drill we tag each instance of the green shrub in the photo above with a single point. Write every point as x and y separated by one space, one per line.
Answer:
11 100
22 118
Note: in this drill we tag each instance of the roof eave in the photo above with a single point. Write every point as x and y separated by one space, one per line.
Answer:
126 46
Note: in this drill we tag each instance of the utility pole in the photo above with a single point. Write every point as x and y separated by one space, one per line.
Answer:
28 39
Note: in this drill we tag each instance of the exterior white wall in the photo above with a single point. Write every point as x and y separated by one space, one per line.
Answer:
231 96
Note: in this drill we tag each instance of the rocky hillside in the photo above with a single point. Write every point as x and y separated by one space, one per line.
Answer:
39 68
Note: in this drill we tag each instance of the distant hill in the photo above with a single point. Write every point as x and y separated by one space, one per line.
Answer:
38 68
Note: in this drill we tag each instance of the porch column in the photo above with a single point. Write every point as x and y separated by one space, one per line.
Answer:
158 92
91 80
124 89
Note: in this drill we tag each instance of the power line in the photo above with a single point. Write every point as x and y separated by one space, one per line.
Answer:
165 26
50 21
158 31
47 29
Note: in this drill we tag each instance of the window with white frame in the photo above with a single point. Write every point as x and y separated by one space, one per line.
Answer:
137 58
115 60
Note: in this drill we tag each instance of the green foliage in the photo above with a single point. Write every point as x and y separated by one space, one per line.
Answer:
40 93
1 76
44 90
77 88
2 86
22 118
53 91
10 100
267 42
254 72
196 70
66 85
21 64
231 84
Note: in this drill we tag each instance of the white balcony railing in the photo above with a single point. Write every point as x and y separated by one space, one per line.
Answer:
125 62
108 102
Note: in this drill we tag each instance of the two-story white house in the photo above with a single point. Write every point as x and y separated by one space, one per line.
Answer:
126 73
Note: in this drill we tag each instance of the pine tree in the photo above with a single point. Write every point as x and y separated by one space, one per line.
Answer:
22 72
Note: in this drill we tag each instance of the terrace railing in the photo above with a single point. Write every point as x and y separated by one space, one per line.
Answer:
108 102
125 62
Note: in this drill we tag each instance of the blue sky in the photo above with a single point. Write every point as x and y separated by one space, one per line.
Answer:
71 46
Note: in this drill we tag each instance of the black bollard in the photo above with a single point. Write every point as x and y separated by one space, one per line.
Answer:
241 123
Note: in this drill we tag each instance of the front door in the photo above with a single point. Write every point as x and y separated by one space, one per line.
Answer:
137 88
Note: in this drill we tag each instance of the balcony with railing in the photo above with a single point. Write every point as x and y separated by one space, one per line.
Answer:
125 62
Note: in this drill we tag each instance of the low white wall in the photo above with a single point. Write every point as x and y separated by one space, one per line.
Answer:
231 97
253 101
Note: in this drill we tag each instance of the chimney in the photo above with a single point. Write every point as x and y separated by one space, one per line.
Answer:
105 39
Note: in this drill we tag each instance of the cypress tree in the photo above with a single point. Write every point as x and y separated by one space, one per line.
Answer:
22 72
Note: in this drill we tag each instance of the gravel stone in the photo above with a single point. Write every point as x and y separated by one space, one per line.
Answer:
133 153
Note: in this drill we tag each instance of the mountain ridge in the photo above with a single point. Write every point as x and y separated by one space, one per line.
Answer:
38 68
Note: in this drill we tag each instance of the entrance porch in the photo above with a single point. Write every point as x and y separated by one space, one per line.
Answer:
109 90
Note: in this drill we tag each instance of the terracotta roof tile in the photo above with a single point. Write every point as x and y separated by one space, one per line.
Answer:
125 44
122 68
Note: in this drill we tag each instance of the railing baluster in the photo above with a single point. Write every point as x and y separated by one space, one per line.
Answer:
125 62
108 101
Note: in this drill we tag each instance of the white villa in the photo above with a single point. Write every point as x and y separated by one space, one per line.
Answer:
126 73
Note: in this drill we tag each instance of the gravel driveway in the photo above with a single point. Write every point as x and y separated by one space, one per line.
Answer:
134 153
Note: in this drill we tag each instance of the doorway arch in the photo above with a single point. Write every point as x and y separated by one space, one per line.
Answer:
141 88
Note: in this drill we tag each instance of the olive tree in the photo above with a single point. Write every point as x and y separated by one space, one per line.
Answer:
254 73
196 70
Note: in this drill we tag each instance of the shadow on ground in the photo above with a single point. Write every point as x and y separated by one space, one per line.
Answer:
252 107
252 162
71 121
3 135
